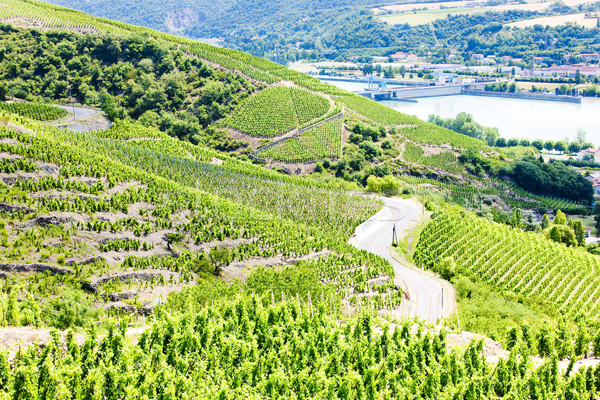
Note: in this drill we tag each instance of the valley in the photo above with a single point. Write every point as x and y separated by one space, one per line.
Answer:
179 220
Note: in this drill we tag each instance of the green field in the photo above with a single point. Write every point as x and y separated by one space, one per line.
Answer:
521 262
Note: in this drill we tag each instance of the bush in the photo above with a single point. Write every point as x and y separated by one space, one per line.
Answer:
447 268
69 310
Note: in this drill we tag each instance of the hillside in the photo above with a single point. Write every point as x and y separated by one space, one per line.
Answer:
256 26
185 220
299 29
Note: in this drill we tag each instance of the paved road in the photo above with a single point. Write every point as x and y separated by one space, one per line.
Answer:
78 111
85 120
376 236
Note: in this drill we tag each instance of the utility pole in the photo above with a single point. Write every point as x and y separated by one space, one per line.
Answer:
436 260
394 237
72 105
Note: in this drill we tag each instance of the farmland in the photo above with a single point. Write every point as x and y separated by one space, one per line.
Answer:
277 110
240 276
556 20
425 13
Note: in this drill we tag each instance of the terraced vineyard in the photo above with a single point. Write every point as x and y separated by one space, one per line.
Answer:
519 261
323 141
277 110
445 160
39 112
49 16
131 215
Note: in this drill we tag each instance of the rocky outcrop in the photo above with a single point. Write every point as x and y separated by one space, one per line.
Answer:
85 262
127 277
12 208
34 268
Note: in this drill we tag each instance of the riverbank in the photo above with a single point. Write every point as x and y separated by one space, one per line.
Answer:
524 96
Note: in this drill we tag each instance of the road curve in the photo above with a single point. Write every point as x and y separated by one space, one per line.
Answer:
375 236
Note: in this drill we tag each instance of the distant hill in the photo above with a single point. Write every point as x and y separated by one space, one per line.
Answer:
254 26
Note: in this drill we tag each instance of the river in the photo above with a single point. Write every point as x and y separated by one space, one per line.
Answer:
514 118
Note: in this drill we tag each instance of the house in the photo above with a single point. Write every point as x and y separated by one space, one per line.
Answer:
477 57
442 78
505 59
570 71
399 56
589 154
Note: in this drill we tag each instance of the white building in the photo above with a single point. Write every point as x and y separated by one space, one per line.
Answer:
589 155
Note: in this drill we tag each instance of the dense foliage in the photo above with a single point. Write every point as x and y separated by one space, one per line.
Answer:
334 30
130 77
554 179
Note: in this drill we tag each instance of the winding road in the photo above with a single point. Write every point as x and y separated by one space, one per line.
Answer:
425 295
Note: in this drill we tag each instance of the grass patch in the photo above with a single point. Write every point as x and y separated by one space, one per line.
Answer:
486 310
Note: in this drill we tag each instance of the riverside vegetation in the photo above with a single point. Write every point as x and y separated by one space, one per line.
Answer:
163 215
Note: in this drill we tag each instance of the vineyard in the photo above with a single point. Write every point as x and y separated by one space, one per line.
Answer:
518 261
151 214
48 16
323 141
241 276
445 160
39 112
277 110
250 348
471 194
408 126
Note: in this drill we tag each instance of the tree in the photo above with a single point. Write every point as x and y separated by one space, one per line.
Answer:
220 257
390 186
549 145
538 144
501 142
560 219
580 137
374 184
516 220
574 147
597 225
447 268
545 221
560 146
579 231
172 238
562 234
3 91
525 143
512 142
402 71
